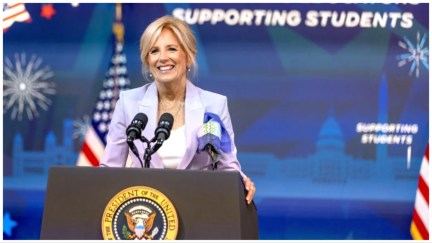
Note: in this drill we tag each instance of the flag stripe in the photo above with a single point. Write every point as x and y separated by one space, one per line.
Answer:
424 170
92 153
423 189
420 205
89 154
20 16
93 139
423 232
420 220
15 12
82 160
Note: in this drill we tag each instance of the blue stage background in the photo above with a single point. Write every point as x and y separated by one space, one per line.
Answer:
330 114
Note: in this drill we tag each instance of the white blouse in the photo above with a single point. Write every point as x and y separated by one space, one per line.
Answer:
173 149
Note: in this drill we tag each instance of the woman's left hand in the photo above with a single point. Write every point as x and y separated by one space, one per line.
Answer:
250 188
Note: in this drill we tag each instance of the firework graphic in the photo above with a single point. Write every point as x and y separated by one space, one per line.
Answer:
416 54
80 127
25 88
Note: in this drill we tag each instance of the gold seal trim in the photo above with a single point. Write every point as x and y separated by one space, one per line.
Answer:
138 192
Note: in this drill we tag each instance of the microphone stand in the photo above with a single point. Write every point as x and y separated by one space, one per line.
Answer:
147 157
213 154
150 150
134 151
147 153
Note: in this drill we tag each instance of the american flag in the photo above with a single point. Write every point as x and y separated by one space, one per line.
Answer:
13 11
420 219
116 80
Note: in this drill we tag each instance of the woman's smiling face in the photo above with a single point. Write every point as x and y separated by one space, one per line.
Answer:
167 60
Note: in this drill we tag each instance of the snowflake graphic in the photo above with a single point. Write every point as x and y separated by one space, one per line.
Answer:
416 54
80 127
25 87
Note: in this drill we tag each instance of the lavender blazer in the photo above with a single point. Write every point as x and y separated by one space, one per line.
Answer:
145 99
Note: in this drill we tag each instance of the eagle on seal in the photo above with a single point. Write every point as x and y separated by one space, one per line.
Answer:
140 225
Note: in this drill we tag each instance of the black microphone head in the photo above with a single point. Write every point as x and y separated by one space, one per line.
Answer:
168 119
141 120
138 124
165 125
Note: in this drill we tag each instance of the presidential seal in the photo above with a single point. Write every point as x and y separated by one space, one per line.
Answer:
139 213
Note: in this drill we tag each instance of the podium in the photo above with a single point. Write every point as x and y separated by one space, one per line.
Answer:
210 205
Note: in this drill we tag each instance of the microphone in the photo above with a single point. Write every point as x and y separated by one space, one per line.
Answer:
138 124
162 133
134 130
209 139
213 137
163 130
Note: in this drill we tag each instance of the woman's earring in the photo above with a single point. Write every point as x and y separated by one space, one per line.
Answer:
151 75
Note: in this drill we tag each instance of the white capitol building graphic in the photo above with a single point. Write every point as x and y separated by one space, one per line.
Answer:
331 173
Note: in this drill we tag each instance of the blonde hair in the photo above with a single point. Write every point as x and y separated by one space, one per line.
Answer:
180 29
